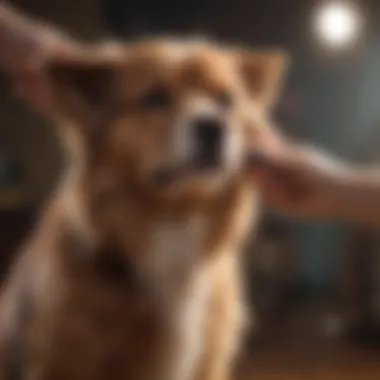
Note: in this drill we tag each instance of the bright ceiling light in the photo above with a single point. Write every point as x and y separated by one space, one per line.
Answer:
337 23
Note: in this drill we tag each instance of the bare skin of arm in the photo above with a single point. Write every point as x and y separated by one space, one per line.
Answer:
25 46
303 181
360 197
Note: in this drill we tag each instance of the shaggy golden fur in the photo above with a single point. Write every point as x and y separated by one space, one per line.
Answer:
131 274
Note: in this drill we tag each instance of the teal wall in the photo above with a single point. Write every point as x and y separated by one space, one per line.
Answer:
326 114
319 245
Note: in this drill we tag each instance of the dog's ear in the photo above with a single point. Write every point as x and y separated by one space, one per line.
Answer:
84 86
263 73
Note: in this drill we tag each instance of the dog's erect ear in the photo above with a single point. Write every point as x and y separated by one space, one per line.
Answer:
84 86
263 73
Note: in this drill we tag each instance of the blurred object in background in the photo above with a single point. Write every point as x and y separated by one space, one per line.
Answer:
15 214
360 286
338 24
360 269
12 182
273 270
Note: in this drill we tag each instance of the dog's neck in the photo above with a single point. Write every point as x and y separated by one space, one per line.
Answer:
129 217
99 206
163 252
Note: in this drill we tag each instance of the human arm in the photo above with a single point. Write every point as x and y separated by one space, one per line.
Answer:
304 181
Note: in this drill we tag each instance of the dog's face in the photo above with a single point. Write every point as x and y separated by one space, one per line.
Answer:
172 116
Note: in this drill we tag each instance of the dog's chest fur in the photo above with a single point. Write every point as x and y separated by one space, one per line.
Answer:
182 287
152 330
173 252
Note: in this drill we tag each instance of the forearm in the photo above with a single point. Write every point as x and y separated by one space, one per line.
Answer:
356 196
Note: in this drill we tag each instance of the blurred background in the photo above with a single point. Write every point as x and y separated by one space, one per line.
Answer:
314 287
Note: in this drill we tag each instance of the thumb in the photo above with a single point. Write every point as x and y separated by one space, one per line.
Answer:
278 171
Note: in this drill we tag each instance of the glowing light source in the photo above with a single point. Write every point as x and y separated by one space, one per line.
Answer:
338 23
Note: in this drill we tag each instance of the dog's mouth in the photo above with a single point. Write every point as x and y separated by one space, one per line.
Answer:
171 174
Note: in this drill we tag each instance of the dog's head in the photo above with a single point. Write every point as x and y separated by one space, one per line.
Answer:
170 116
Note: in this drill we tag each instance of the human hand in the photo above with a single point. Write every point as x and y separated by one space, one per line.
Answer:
300 180
25 47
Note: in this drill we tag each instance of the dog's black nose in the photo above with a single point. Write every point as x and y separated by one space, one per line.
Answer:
208 131
209 134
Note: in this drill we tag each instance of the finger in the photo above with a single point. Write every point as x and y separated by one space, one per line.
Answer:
282 184
267 160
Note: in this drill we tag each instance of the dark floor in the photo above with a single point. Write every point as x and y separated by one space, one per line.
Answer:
335 363
299 349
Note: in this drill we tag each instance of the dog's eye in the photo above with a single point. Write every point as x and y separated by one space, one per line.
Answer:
224 98
157 97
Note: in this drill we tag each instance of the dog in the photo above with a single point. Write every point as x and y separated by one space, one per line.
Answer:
133 269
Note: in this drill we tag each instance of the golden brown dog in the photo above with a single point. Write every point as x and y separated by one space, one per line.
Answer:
132 272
